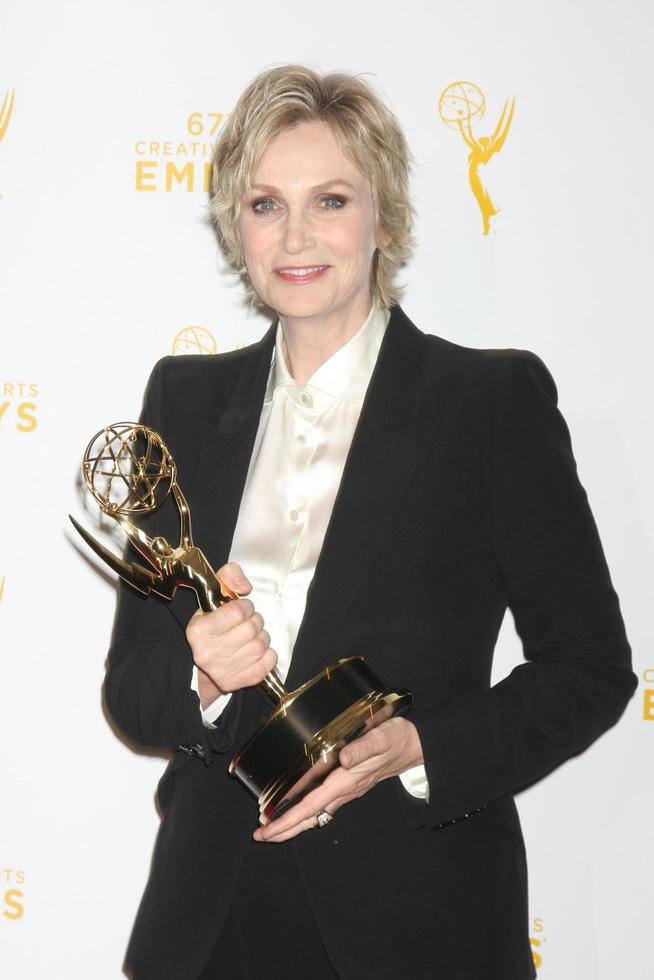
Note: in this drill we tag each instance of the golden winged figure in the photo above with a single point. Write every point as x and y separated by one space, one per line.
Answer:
459 104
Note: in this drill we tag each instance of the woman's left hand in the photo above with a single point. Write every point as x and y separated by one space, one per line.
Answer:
388 750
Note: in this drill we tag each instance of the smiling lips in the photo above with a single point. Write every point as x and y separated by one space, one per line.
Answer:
301 274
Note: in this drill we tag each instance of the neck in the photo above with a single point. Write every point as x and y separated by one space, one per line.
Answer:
310 341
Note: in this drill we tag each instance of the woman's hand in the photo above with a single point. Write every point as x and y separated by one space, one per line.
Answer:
386 751
230 647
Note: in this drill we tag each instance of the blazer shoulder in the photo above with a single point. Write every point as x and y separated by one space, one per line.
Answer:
445 351
483 358
200 385
491 368
198 370
198 365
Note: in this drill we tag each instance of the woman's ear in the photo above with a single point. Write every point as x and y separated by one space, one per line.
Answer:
382 238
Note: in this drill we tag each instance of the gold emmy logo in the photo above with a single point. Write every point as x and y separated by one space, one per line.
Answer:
536 942
174 164
6 110
648 695
195 340
461 106
11 897
16 401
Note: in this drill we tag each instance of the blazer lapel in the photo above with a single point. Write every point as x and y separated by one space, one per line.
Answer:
229 431
396 424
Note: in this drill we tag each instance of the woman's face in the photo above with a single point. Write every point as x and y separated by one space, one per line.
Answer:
308 228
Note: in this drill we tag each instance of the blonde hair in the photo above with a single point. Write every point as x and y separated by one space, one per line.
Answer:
368 134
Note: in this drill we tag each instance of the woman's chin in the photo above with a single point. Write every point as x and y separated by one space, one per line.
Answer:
299 305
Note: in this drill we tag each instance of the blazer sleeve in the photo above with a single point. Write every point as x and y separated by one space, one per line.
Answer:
147 686
577 676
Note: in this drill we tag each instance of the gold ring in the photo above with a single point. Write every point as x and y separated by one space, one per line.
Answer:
323 818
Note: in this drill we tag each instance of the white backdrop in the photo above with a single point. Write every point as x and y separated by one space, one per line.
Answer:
106 255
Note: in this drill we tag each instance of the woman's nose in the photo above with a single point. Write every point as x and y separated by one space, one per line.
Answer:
297 232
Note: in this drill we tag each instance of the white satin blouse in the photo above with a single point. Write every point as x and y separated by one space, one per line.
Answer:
295 470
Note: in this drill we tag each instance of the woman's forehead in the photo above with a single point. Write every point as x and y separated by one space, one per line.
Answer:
308 155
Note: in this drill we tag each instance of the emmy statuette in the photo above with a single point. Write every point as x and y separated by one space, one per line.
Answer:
129 471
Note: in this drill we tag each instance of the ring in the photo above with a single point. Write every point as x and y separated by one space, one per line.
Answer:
323 818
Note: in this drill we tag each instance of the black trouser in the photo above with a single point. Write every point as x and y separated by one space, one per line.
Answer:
269 932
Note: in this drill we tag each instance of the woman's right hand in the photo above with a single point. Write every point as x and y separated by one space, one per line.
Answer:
230 647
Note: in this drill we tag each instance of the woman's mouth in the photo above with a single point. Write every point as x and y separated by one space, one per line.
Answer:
301 274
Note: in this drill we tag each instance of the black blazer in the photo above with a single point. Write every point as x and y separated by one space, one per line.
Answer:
459 498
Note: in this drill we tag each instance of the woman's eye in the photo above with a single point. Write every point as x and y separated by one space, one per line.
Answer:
333 202
264 206
330 202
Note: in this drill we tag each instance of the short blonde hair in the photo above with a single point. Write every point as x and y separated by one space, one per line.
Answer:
366 131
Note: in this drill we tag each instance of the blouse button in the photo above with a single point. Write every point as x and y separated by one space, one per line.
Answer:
302 439
294 514
305 398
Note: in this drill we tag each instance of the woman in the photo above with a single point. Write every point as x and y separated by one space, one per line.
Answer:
387 493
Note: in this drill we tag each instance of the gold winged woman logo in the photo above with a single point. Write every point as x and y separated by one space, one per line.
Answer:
460 106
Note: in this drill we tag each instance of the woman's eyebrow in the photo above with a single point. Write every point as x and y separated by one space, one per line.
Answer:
271 189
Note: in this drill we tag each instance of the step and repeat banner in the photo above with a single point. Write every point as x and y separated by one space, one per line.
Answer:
534 229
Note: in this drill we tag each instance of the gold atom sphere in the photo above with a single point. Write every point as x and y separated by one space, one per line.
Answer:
195 340
128 469
461 102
